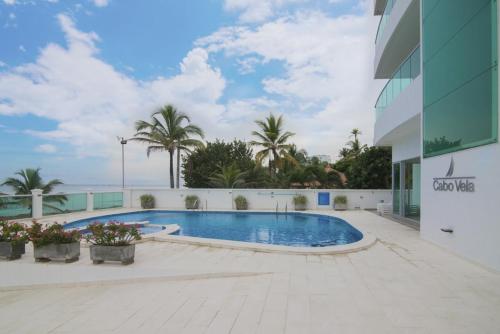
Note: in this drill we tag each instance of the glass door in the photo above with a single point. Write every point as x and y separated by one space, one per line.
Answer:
412 189
396 188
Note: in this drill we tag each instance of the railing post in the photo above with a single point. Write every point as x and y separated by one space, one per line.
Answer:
127 198
90 201
36 203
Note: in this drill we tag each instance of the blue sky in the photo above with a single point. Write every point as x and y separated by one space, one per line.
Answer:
76 74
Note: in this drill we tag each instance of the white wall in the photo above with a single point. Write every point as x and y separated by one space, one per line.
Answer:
407 147
258 199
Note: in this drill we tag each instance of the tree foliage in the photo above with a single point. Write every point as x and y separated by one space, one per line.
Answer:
205 162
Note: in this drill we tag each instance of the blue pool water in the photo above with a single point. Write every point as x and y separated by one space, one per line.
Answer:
291 229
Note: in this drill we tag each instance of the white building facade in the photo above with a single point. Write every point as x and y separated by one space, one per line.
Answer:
439 114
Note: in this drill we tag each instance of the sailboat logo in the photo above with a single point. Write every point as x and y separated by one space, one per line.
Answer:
452 167
454 183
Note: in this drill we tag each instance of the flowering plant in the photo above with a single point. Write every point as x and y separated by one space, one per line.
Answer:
13 232
112 234
52 234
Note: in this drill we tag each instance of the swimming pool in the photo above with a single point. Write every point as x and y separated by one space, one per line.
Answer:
289 229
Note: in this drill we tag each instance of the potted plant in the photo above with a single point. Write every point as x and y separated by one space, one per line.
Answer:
241 203
13 238
300 202
54 243
192 202
340 202
112 242
147 201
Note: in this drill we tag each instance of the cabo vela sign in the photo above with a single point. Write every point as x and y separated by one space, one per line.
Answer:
454 183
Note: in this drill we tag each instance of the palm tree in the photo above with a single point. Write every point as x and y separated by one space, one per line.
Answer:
165 132
355 132
31 179
355 145
229 177
273 140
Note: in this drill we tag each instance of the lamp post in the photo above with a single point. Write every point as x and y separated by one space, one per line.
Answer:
123 142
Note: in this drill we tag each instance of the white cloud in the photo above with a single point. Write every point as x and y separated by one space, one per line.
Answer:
2 64
257 10
9 2
93 102
247 65
101 3
22 48
46 148
327 80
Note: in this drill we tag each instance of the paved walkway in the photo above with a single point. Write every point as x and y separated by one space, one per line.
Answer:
400 285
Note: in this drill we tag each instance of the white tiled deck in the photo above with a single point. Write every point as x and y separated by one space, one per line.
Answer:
400 285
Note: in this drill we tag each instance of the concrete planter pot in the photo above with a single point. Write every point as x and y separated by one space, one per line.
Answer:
123 254
300 207
67 252
340 206
192 205
12 251
241 206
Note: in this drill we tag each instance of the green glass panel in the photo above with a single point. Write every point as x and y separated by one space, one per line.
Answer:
415 63
461 59
64 203
412 190
396 84
15 207
108 200
460 75
406 76
396 188
445 19
428 6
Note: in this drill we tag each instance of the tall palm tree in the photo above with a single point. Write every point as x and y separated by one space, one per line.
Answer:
229 177
30 179
165 132
355 132
355 145
272 139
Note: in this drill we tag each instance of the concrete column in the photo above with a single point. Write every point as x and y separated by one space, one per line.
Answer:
127 198
36 203
90 201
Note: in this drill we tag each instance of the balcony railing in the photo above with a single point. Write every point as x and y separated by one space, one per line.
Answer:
384 18
405 74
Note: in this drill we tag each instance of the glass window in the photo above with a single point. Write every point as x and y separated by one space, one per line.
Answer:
460 75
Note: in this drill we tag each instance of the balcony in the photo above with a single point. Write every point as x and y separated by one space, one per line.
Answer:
398 34
399 105
384 18
405 74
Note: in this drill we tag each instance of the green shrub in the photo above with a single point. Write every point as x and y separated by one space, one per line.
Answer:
300 200
341 199
53 234
192 202
112 234
13 232
241 202
147 201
